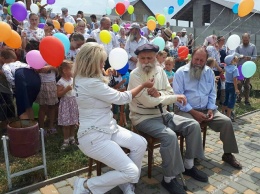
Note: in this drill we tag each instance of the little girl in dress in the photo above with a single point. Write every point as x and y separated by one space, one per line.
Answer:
68 116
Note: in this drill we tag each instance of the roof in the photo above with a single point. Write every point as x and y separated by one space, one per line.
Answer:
135 2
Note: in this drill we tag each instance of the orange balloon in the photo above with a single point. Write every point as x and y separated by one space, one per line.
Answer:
156 15
151 24
56 24
245 7
69 28
14 41
5 31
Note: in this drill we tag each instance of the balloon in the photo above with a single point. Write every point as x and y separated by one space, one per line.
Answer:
111 4
173 35
52 50
240 76
126 76
233 42
189 57
170 10
159 41
248 69
5 31
56 24
151 18
19 11
10 1
14 41
108 10
180 2
69 28
21 3
9 9
124 69
151 24
120 8
183 52
35 60
235 8
245 7
165 10
115 27
65 41
130 9
50 2
118 58
161 19
34 8
41 25
126 3
105 36
35 108
156 15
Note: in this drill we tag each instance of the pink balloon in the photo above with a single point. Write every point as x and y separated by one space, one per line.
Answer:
35 60
126 3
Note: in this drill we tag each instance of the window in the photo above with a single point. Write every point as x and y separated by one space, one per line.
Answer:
206 14
133 18
145 16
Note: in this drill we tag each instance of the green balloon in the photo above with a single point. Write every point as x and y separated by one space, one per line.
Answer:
151 18
9 10
35 108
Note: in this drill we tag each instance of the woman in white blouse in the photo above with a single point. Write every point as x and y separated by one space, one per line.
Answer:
99 135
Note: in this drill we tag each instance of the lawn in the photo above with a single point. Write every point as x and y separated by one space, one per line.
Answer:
61 162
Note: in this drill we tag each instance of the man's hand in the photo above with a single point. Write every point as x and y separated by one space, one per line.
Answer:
182 99
153 92
210 115
199 116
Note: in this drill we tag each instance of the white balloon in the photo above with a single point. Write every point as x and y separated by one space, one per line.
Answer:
34 8
111 4
233 42
118 58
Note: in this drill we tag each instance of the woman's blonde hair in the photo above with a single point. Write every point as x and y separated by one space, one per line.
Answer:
88 61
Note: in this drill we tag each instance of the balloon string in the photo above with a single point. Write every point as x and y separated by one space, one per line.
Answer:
229 24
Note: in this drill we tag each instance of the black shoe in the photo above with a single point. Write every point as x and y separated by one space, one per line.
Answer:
247 103
238 100
173 187
196 174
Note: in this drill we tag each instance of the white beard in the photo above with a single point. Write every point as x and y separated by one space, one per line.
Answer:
195 71
148 70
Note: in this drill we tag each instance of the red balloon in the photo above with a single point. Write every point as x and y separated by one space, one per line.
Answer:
183 52
120 8
52 50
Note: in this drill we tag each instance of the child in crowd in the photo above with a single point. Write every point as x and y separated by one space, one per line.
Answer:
76 41
161 56
47 97
169 66
68 116
231 84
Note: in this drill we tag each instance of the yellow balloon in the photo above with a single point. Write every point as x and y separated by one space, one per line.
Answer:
245 7
56 24
5 31
156 15
173 34
69 28
130 9
115 27
105 36
151 24
161 19
14 41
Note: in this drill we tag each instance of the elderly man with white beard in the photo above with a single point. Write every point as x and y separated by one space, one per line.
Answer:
197 82
159 123
135 39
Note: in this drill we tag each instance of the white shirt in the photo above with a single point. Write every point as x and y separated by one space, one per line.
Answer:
184 40
130 48
48 77
94 99
69 18
108 47
63 82
36 35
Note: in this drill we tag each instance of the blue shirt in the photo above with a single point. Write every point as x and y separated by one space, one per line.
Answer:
170 74
231 72
200 94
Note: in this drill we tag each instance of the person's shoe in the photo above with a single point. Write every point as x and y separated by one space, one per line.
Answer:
79 186
238 100
127 188
196 174
230 159
247 103
173 187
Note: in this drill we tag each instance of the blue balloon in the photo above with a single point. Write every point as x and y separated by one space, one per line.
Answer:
123 70
235 8
126 76
180 2
65 41
170 10
159 41
248 69
10 2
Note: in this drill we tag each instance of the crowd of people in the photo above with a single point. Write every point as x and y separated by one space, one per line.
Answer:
79 94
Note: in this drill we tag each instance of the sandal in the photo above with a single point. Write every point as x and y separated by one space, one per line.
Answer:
64 145
230 159
52 131
73 142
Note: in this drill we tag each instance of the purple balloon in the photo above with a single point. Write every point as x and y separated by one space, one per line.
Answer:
240 75
19 11
50 2
41 25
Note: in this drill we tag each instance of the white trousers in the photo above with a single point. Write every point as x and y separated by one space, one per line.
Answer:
106 149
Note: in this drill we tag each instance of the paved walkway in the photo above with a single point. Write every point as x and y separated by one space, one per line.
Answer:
222 177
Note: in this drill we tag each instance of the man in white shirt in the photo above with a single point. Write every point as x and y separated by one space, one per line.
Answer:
66 16
184 38
134 40
105 24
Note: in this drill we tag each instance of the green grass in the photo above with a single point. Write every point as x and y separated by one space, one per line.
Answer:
61 162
